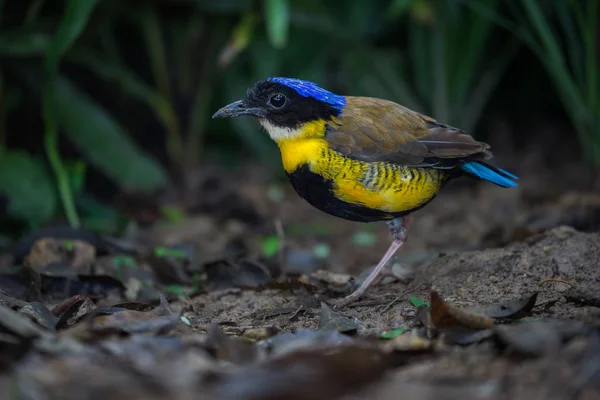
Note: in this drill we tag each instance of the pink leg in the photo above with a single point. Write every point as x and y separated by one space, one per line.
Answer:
389 273
398 228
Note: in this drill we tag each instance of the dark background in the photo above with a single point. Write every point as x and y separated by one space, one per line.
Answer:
130 87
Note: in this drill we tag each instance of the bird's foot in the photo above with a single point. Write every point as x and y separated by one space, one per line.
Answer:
344 301
399 228
360 292
373 277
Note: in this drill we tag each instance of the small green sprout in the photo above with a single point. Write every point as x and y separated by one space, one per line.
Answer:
270 245
68 245
418 302
167 252
174 289
392 334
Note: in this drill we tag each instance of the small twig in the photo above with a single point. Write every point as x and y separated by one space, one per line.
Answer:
397 299
367 303
295 314
556 281
546 304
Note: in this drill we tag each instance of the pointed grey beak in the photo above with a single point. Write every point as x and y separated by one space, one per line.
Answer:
237 109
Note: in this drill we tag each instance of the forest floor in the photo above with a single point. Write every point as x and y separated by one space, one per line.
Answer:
233 301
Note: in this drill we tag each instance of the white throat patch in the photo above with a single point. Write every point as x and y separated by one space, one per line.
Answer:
279 133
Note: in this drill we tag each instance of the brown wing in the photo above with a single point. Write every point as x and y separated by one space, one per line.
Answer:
379 130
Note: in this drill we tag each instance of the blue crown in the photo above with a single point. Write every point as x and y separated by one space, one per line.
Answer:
310 89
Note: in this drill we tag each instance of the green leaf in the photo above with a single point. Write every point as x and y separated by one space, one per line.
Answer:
418 302
167 252
76 170
270 246
23 44
73 22
124 261
278 20
26 183
172 214
121 261
555 60
174 289
97 135
68 245
392 334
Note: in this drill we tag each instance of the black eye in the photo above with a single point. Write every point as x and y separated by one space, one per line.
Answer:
277 100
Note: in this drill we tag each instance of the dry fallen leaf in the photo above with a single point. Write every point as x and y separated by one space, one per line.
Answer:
287 342
508 308
224 274
444 315
39 314
77 253
407 343
113 321
313 373
75 312
257 334
235 350
334 321
332 278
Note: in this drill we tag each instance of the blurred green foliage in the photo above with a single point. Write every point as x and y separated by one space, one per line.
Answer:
564 36
22 175
107 74
72 23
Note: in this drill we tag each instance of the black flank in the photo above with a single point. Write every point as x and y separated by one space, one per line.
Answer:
318 192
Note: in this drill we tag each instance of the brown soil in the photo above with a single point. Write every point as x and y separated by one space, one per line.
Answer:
566 259
474 245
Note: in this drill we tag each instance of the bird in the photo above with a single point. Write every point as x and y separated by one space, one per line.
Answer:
363 159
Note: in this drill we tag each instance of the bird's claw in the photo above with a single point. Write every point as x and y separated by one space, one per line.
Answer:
344 301
358 293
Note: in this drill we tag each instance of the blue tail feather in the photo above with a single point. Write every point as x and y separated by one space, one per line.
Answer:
489 173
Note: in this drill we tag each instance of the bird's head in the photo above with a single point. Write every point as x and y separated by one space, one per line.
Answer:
284 106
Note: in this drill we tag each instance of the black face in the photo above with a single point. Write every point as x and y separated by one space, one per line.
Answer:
280 105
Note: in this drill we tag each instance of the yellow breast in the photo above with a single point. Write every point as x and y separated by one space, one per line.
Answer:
376 185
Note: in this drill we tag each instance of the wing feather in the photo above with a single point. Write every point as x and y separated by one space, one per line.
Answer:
379 130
